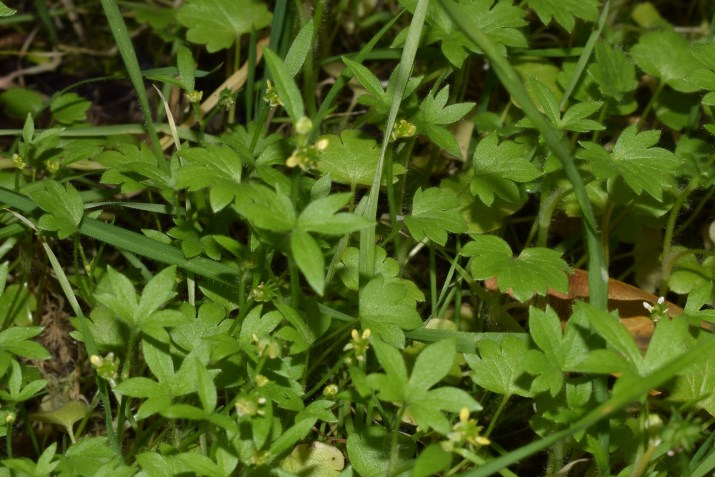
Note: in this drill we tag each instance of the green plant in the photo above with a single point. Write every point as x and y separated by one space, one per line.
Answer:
348 239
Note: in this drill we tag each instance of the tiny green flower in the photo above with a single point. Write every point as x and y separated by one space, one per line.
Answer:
657 311
17 161
52 165
107 367
271 96
403 129
226 98
466 431
264 292
195 96
359 345
305 157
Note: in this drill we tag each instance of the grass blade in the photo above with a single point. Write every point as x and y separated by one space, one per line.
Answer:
367 235
126 49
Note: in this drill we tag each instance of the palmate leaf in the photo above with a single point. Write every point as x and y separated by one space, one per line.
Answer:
322 216
435 211
215 167
133 167
641 165
64 207
535 270
498 168
434 113
574 119
667 56
425 405
613 71
500 367
565 12
218 23
265 208
351 158
388 306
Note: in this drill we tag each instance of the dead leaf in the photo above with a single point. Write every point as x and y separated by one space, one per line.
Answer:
626 299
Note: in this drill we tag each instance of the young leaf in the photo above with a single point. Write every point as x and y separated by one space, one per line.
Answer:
433 113
563 348
134 167
433 363
285 85
315 458
18 341
500 368
435 212
498 168
6 11
564 11
608 327
385 266
157 291
218 23
535 270
641 165
369 451
64 207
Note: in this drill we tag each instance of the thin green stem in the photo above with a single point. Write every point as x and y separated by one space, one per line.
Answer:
394 449
497 413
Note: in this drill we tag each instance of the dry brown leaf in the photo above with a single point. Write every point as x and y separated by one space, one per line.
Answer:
625 298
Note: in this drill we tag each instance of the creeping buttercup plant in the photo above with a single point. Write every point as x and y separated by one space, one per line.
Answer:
396 238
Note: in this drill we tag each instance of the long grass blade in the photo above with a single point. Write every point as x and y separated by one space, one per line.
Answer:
367 235
126 49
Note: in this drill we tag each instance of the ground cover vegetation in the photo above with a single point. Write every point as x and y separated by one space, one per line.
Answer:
364 238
